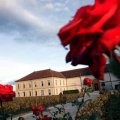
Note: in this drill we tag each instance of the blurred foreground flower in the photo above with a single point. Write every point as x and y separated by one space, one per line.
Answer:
6 93
93 33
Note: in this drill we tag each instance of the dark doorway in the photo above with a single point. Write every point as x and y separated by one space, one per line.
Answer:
96 87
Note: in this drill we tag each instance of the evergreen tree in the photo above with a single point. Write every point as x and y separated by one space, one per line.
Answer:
114 67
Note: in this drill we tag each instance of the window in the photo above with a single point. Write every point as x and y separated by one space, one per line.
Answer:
41 83
30 85
18 94
63 82
117 87
42 92
48 82
35 93
35 84
56 82
18 86
23 85
23 94
49 92
30 93
56 91
102 84
60 82
60 89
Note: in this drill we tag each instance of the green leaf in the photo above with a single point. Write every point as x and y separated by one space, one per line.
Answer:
41 101
90 89
88 94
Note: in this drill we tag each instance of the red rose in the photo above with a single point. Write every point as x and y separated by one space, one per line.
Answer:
47 118
41 108
87 82
93 32
36 113
37 110
6 93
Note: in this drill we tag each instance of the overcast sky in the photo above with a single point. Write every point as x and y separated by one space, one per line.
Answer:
28 36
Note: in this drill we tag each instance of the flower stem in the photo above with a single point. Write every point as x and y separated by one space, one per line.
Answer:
83 100
2 110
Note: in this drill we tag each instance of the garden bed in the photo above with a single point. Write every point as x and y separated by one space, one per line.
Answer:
23 104
105 107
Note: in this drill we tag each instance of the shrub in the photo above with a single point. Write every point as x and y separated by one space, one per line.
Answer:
106 106
70 91
23 104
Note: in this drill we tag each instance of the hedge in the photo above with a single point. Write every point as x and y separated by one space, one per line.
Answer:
70 91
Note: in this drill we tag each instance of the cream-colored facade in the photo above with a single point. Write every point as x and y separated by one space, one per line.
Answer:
46 86
56 83
52 85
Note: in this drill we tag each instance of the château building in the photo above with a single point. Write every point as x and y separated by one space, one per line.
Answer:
50 82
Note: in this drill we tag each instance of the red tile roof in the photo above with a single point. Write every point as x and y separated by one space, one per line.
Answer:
50 73
41 74
76 72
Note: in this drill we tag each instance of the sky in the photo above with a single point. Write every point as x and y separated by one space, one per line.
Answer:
28 36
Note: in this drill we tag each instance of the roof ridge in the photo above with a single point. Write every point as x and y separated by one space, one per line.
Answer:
41 74
51 72
73 69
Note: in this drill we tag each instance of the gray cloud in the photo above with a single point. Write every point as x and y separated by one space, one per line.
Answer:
15 18
34 20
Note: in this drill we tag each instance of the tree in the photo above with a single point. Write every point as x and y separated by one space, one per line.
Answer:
115 67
